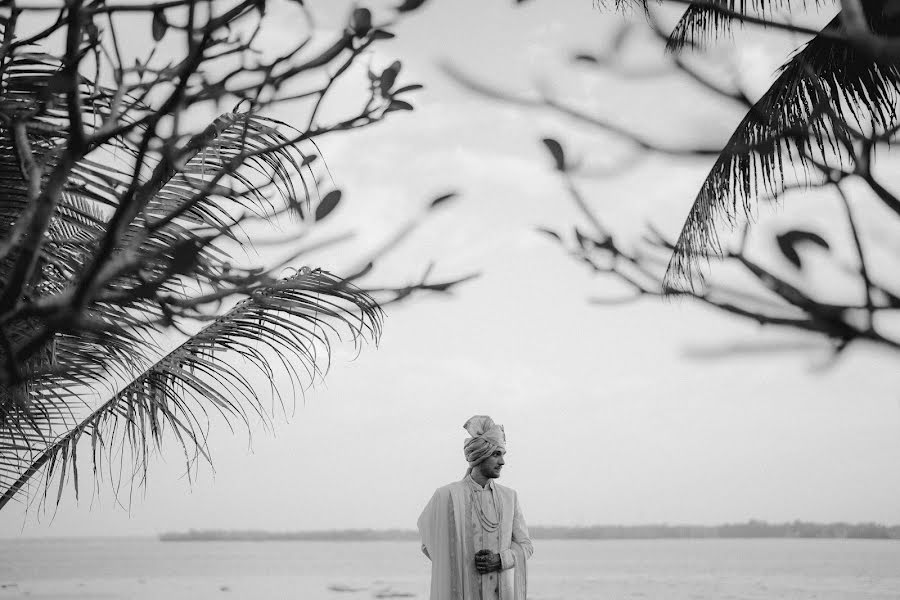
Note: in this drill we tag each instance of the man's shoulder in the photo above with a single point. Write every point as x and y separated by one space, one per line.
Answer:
445 490
505 490
461 484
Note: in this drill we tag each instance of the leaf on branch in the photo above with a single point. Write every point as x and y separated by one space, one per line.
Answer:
589 58
441 199
550 233
408 88
160 24
328 204
361 21
410 5
398 105
382 34
556 151
787 243
388 78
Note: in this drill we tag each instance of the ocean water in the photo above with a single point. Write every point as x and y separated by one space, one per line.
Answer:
564 570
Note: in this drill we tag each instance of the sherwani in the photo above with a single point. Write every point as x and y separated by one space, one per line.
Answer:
452 532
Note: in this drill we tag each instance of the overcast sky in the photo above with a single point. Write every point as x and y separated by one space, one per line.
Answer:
632 414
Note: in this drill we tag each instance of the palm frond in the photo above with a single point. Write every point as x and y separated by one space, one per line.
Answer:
295 319
701 22
58 375
29 96
264 183
825 88
211 186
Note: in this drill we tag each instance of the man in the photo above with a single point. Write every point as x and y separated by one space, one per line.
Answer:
473 530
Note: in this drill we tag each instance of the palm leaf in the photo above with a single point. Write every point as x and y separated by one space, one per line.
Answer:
788 126
67 362
296 319
701 22
96 185
28 95
59 376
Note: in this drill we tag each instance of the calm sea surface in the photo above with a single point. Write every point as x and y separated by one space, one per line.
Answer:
564 570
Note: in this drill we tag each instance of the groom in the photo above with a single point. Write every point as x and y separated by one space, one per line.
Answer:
473 530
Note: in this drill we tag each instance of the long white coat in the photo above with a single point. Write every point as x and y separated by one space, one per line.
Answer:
445 528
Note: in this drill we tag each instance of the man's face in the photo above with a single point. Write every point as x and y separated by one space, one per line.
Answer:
492 465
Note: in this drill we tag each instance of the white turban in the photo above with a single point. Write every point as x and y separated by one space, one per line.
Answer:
487 437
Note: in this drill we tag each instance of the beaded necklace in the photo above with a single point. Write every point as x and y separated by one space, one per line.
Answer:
486 523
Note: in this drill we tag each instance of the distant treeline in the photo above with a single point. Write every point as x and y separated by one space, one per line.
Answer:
750 529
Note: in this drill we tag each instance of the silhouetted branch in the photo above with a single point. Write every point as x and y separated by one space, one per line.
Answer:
798 309
830 148
120 216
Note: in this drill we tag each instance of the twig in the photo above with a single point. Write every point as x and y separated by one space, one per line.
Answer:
863 268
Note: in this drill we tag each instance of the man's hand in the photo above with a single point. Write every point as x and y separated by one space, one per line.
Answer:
487 561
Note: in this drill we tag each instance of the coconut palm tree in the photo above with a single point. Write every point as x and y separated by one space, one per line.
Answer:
123 315
831 103
819 123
